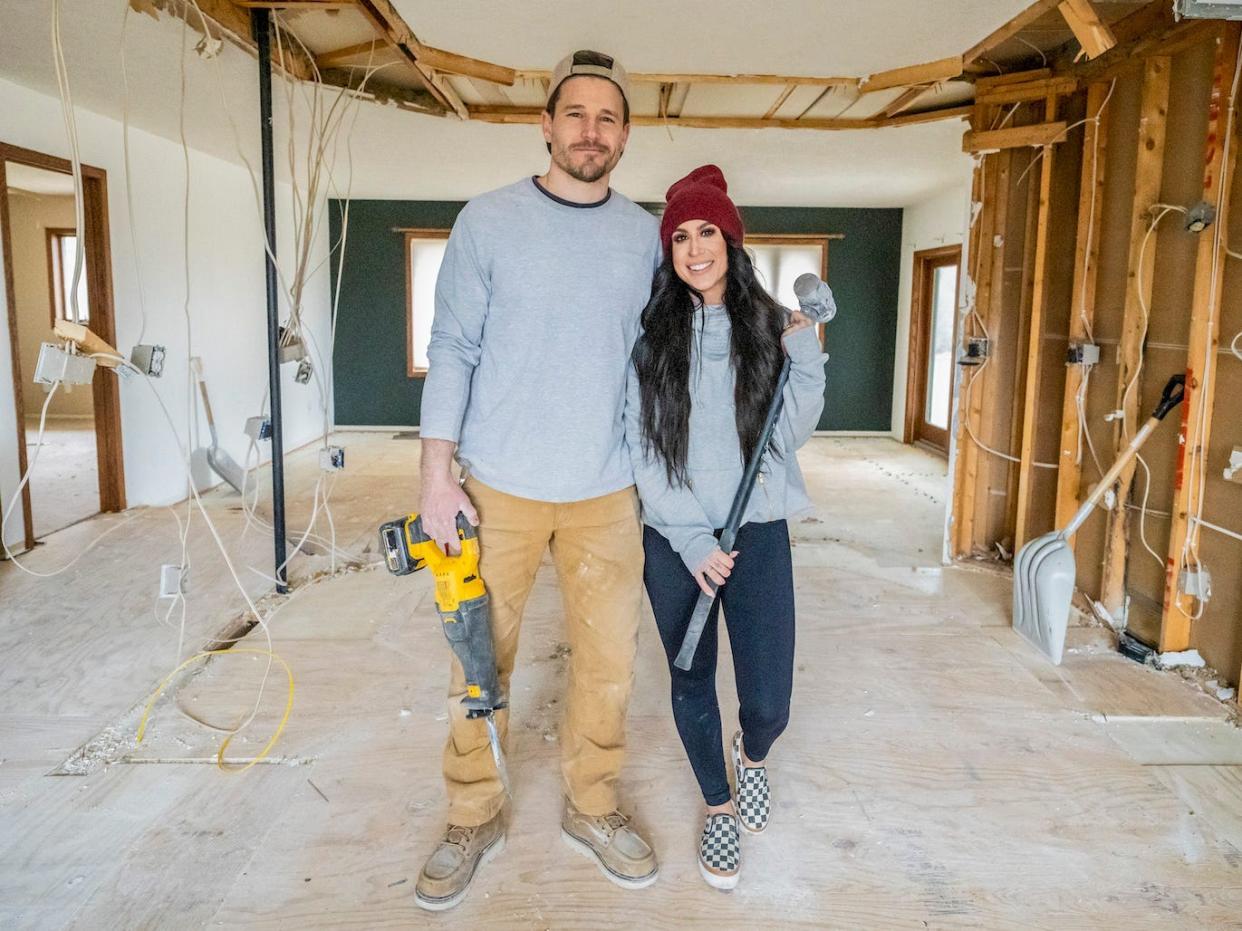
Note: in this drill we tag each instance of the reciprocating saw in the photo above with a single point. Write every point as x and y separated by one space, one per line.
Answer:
462 602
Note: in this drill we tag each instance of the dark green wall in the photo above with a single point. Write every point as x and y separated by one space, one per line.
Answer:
371 385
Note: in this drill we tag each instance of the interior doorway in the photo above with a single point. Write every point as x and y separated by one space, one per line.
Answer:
78 466
929 385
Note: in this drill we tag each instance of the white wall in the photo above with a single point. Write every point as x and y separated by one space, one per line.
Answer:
938 221
227 324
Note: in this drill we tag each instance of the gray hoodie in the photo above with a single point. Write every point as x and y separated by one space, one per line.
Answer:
687 515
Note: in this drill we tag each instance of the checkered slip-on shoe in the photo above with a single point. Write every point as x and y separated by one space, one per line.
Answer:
720 851
754 799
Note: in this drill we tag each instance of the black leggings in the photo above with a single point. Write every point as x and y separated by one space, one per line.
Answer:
759 611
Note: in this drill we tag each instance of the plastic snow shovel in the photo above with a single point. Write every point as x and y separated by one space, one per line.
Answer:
1043 572
221 462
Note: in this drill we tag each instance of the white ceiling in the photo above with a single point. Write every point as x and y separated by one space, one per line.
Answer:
37 180
402 155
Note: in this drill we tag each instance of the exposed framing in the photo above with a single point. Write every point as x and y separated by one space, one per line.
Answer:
105 389
1210 262
1148 174
922 302
411 236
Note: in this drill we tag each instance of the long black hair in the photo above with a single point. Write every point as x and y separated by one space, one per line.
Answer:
662 358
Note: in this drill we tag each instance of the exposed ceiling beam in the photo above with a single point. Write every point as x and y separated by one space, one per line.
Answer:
903 101
780 101
927 73
665 78
229 22
298 5
434 58
388 22
1091 32
1010 29
513 115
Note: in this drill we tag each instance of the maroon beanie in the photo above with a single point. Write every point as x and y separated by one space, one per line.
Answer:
701 195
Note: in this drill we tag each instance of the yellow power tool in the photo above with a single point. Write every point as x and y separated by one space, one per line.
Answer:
462 602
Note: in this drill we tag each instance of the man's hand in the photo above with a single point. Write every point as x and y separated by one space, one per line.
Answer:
716 568
442 498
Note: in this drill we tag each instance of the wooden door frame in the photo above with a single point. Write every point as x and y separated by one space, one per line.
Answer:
921 303
105 390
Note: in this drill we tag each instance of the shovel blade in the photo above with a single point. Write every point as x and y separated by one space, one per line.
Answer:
1043 589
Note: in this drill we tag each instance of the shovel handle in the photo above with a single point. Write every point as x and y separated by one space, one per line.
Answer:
1174 393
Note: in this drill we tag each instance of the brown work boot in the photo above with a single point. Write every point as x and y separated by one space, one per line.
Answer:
448 872
616 847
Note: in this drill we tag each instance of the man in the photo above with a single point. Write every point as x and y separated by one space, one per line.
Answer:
537 310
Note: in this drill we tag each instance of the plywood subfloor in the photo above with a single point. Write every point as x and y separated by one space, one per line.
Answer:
64 485
935 772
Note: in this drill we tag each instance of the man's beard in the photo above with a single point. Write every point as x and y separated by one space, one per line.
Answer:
588 172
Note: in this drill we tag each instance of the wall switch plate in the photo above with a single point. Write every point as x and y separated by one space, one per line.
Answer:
174 581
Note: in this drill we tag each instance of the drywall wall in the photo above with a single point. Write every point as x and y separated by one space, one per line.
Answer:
935 222
370 363
31 216
223 319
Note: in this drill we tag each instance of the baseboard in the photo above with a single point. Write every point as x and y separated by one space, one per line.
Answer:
886 434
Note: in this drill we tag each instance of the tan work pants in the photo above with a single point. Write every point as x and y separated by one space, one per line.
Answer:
597 549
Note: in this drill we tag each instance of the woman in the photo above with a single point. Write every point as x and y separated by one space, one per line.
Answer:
703 375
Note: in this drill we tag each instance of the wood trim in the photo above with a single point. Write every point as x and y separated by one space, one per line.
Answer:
414 235
109 449
1039 306
1148 172
1197 409
6 258
921 305
58 303
105 389
1082 301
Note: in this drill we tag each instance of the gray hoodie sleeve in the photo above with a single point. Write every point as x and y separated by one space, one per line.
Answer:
673 512
462 294
804 392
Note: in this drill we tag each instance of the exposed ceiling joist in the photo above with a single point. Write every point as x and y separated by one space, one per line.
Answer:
1007 31
1091 32
437 59
391 26
927 73
225 20
533 115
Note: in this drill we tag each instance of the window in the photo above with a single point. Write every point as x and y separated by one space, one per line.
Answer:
424 251
779 260
62 252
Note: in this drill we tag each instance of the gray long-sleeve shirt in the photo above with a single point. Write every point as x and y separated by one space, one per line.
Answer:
537 309
687 515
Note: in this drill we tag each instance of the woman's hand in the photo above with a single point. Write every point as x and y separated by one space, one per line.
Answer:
715 567
797 321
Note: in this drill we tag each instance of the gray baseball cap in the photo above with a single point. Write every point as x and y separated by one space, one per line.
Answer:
592 63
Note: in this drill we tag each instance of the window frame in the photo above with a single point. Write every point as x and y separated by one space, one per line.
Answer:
799 239
58 304
412 236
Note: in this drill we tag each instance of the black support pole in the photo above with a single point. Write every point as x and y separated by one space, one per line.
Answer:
261 23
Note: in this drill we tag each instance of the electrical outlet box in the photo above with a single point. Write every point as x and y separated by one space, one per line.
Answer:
1233 471
291 349
148 359
1196 582
977 349
56 365
1083 354
1200 217
258 428
174 580
332 458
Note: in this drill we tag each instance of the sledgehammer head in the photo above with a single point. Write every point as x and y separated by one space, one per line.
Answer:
815 298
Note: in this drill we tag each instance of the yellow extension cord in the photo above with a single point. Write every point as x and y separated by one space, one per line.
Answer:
284 719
